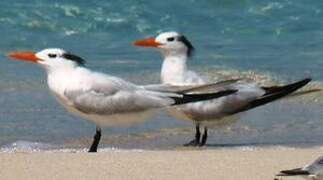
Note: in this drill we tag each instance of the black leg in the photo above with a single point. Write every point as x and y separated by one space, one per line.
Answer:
204 137
96 140
197 134
195 141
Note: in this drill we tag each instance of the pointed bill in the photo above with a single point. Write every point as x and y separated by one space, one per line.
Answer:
24 56
149 42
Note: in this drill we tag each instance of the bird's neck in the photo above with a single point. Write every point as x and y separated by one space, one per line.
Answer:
59 79
174 69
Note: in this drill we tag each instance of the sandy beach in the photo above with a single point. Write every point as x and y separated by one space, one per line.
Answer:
226 163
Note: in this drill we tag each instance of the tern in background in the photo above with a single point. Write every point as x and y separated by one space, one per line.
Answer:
312 171
176 50
103 99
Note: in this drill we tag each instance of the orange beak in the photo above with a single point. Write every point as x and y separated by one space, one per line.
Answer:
24 56
149 42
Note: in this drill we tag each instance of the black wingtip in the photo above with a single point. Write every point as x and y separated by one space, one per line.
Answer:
303 82
289 88
293 172
274 93
188 98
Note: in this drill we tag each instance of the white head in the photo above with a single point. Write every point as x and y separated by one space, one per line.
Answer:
51 59
169 43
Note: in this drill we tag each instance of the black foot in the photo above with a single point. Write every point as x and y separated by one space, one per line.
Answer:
196 141
192 143
204 137
96 140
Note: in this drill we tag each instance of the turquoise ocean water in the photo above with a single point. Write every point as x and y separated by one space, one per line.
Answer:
269 41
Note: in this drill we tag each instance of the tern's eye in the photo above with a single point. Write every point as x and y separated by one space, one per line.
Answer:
170 39
52 55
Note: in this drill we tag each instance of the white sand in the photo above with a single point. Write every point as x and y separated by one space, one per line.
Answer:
226 164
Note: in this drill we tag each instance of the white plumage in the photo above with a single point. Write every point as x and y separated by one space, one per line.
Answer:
176 49
103 99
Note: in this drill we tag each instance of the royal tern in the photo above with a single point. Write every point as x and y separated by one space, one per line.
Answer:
103 99
312 171
176 50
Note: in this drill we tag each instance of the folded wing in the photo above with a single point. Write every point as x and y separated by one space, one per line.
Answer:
112 99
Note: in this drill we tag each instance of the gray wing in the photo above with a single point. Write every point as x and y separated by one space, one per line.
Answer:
98 102
189 89
115 96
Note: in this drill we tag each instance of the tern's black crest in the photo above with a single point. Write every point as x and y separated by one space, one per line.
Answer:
190 47
72 57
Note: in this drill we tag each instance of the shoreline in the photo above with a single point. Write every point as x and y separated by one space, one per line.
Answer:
225 163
